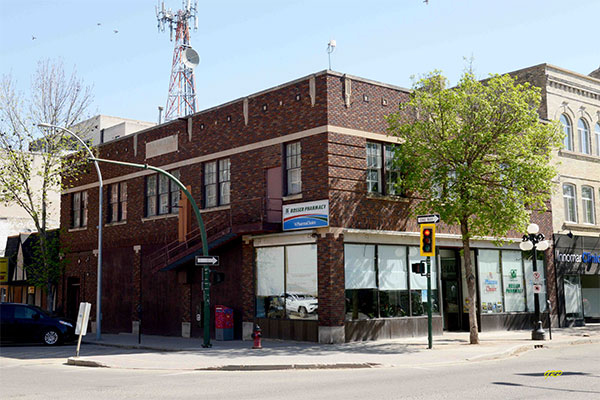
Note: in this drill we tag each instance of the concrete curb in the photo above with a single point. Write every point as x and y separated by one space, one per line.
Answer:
280 367
85 363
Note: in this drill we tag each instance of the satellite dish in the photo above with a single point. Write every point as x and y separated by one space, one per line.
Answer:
190 58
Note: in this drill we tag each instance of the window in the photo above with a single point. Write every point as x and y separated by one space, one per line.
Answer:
513 282
162 195
293 167
217 183
117 202
598 139
379 285
568 140
224 181
584 136
570 202
286 282
587 202
381 168
79 206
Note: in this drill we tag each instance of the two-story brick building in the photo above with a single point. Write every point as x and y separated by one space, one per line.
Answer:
320 140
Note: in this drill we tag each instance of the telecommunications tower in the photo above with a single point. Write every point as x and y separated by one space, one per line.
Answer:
182 93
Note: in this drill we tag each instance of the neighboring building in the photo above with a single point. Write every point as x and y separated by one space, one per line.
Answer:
21 254
574 100
103 128
15 220
316 146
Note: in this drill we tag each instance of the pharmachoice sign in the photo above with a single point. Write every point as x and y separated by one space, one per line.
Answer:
314 214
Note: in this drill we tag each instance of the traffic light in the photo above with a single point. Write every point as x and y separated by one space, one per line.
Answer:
427 240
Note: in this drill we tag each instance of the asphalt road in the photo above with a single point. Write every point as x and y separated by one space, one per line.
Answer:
41 373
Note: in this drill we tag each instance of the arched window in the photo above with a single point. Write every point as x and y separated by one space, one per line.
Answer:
568 140
584 136
598 139
570 202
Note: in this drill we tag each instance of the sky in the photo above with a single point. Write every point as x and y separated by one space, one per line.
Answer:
249 46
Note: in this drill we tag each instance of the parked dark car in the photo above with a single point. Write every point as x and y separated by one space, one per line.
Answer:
30 324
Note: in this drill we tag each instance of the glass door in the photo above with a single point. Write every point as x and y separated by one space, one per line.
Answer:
451 289
573 300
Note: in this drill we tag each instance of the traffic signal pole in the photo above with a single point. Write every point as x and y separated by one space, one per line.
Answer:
429 316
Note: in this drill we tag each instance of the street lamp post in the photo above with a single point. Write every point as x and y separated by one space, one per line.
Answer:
100 223
535 241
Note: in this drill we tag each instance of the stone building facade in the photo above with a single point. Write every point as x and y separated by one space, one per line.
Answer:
318 142
574 100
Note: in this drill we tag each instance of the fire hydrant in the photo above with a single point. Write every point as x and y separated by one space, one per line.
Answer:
256 335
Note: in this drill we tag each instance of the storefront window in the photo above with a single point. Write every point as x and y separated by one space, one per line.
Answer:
513 282
269 282
418 285
490 281
377 282
573 301
287 282
590 292
393 281
360 278
301 282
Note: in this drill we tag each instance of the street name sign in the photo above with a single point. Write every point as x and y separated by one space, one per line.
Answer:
428 219
207 260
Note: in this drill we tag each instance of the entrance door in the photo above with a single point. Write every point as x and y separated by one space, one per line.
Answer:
573 301
72 297
450 267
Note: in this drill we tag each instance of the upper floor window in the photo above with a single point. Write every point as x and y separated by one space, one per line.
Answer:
117 202
162 195
217 182
79 205
584 136
570 202
382 175
587 202
568 140
293 167
598 139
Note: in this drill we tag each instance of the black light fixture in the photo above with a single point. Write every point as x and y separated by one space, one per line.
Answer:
535 241
570 235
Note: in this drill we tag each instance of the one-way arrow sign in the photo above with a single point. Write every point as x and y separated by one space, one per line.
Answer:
207 260
428 219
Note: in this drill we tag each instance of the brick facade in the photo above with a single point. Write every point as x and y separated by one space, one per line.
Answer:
332 115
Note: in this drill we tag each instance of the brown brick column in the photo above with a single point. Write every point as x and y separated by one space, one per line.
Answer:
247 278
137 288
330 253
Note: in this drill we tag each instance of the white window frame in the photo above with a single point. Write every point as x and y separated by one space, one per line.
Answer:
570 203
584 136
568 130
293 167
588 205
597 129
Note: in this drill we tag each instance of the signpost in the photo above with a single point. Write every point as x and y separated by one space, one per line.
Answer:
206 262
82 323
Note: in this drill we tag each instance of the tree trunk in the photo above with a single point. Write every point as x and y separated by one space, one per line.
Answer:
472 293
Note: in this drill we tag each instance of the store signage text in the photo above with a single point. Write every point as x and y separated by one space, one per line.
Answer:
314 214
585 257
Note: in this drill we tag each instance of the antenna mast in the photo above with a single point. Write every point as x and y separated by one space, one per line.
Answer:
182 93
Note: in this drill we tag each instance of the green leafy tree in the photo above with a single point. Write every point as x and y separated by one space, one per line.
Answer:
478 155
28 178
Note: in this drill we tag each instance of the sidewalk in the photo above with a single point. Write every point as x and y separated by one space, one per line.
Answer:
176 353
